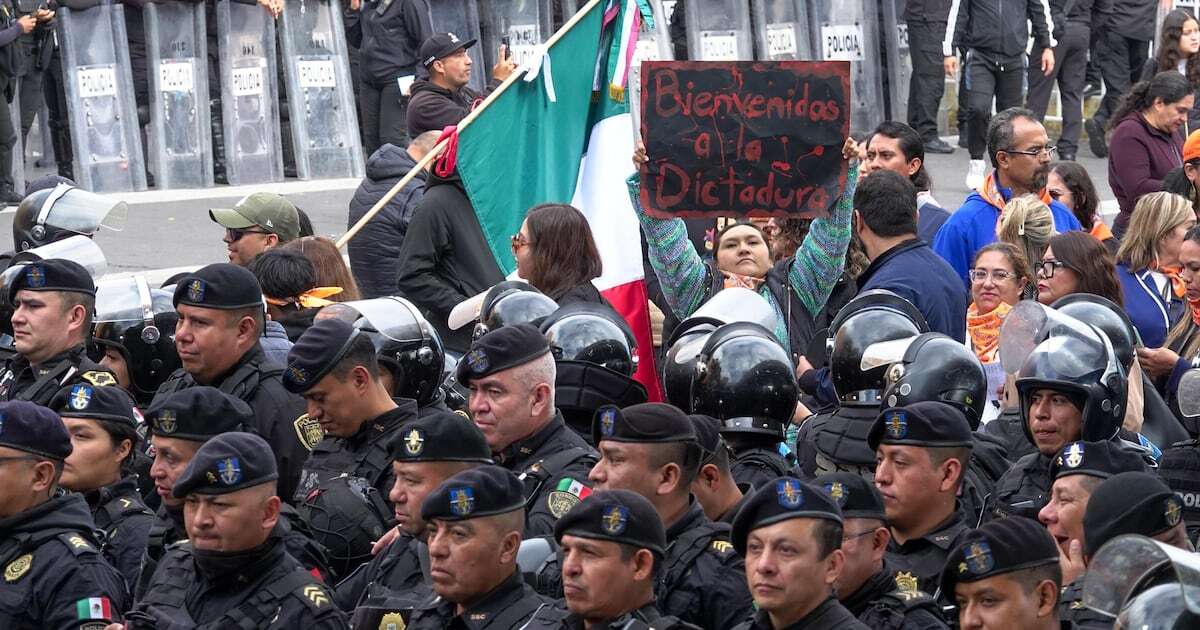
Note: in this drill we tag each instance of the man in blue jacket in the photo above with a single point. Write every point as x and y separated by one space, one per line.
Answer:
885 213
1020 152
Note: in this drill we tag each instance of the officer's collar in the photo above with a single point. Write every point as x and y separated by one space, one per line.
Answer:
944 534
254 353
480 613
70 354
873 588
647 613
236 569
692 517
381 424
524 448
100 496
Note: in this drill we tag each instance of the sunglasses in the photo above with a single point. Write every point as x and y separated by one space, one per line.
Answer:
236 235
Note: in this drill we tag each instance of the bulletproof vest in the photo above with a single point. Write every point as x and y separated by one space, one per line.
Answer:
683 552
1022 491
891 611
111 513
393 575
25 542
1180 468
42 389
385 608
538 473
241 384
756 467
799 322
841 437
333 458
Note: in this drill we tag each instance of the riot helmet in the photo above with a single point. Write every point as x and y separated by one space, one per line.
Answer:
872 317
1047 349
1144 583
52 214
80 249
139 323
512 302
406 344
346 516
930 367
591 333
1108 318
745 379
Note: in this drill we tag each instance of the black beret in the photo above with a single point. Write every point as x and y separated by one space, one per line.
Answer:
84 400
619 516
786 498
1004 545
500 350
227 463
484 491
220 286
52 274
927 423
708 435
316 352
33 429
440 436
857 497
1096 459
1129 503
197 414
644 423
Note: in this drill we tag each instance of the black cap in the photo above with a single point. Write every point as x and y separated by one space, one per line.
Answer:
197 414
440 436
1002 546
316 352
928 423
857 497
440 45
785 498
500 350
33 429
220 286
84 400
644 423
619 516
708 434
227 463
1096 459
52 274
1129 503
484 491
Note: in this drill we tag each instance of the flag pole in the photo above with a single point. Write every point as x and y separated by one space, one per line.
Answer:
470 117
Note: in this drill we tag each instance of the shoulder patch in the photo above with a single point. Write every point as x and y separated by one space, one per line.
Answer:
316 596
309 431
77 544
99 378
912 599
18 568
721 546
560 502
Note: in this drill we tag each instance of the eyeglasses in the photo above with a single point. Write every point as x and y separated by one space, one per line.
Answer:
997 275
236 235
858 535
17 458
1035 152
519 241
1046 269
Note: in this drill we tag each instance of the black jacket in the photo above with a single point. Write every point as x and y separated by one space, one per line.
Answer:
925 11
374 250
445 258
433 108
125 520
999 28
1134 19
388 35
830 615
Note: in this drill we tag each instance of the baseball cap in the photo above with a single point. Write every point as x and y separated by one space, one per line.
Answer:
265 210
440 45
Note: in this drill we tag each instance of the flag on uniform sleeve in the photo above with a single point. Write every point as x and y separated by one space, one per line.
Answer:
94 608
563 133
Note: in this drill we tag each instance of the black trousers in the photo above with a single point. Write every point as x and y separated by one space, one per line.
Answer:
8 138
384 114
928 80
990 80
1121 61
1070 72
59 117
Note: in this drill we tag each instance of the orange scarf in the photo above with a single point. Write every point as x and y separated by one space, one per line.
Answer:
990 191
985 330
1172 272
738 280
1100 231
1194 305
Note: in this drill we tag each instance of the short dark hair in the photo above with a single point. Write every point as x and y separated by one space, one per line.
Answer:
361 352
686 455
627 552
71 299
887 203
1031 577
283 273
828 535
911 145
942 454
253 312
1001 130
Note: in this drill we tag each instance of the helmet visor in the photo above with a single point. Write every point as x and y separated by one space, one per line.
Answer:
129 298
393 317
78 210
1121 566
885 353
1031 327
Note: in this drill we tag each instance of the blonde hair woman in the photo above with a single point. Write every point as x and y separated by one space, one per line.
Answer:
1027 223
1148 264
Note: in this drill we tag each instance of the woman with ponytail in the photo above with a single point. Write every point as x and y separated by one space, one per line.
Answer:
1179 50
1148 264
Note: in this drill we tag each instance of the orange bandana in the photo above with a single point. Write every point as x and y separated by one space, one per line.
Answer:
990 191
1194 305
985 330
1172 273
312 298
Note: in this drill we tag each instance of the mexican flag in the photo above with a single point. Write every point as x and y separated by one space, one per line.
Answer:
94 608
562 133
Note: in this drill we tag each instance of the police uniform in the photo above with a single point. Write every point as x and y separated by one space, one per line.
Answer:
1134 502
554 462
261 587
1022 491
279 416
708 436
1179 466
758 466
54 573
21 380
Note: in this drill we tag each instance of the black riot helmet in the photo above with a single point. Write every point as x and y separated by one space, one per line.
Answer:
871 317
80 249
931 367
52 214
139 323
1047 349
592 333
1109 318
346 516
512 302
406 344
745 379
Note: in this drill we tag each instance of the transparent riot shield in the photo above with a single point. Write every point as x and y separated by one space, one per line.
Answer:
316 67
525 24
18 149
653 44
180 136
899 61
99 90
719 30
781 30
461 17
848 30
249 93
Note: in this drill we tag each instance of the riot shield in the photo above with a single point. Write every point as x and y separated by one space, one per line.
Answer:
324 121
781 30
526 24
899 61
18 148
99 91
719 30
249 93
653 44
461 17
848 30
180 136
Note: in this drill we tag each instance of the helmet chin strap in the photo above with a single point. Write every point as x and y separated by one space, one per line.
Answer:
150 332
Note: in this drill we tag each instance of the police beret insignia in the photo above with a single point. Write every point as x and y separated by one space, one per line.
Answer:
462 501
18 568
789 493
35 276
608 421
978 559
81 395
195 291
477 360
414 442
165 422
392 621
906 582
1074 455
229 470
838 492
614 520
298 374
309 431
1173 511
99 378
897 425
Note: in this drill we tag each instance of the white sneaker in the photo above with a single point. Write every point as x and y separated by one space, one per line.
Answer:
976 173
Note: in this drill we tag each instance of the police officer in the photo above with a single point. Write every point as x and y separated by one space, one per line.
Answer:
220 319
54 300
475 520
1005 575
408 348
391 32
135 328
426 452
1133 502
178 424
54 209
333 366
510 372
651 449
790 533
872 587
54 573
715 488
104 437
9 61
611 545
236 570
921 455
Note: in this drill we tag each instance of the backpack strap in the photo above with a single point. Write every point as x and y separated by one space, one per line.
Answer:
257 611
684 551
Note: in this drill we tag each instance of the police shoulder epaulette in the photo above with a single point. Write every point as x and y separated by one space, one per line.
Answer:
315 596
722 547
911 599
99 378
77 544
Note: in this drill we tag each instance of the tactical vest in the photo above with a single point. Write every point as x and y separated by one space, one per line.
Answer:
683 552
890 612
538 473
757 464
331 459
1180 468
241 384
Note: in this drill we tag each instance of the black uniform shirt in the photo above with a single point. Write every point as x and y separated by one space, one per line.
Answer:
888 601
926 555
399 567
830 615
545 460
507 607
120 512
643 618
364 454
704 579
1071 609
1022 490
21 380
